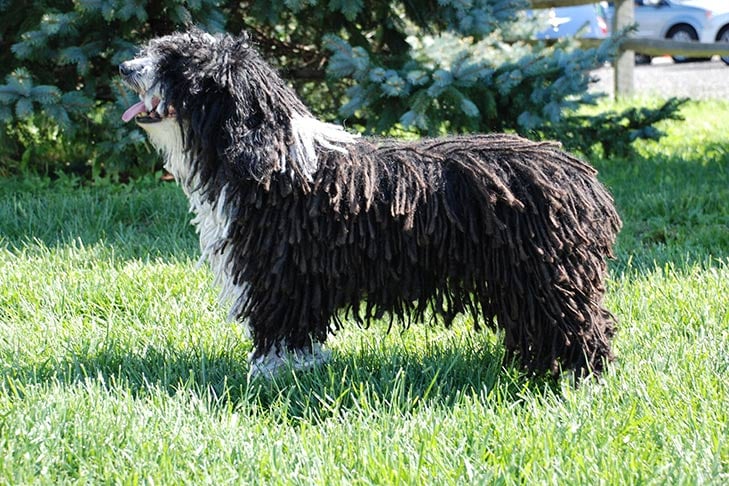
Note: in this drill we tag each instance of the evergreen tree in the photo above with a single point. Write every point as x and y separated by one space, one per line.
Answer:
60 96
423 66
435 66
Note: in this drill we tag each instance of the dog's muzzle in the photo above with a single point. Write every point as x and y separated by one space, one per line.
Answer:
151 108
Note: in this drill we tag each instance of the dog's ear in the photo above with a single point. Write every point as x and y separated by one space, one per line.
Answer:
252 148
237 119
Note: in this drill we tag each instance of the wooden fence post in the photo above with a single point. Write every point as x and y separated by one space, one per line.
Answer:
625 61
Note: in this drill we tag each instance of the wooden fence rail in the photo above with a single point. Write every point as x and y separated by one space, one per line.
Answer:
661 47
624 64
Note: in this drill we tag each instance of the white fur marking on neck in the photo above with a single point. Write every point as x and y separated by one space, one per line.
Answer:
308 133
166 137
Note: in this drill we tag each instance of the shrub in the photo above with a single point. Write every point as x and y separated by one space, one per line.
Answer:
380 67
60 98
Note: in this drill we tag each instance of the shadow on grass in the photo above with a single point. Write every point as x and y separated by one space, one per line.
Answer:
365 382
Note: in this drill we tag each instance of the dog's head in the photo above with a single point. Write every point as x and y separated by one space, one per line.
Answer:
218 90
178 73
231 107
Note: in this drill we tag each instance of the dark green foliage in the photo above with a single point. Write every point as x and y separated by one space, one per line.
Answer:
60 99
461 82
614 132
421 66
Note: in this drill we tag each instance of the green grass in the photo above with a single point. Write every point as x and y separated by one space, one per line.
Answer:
118 366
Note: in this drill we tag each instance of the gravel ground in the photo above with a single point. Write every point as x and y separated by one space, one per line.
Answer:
663 78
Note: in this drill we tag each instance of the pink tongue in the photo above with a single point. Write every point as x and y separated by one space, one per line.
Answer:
133 111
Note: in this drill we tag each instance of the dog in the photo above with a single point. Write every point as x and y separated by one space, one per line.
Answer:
307 226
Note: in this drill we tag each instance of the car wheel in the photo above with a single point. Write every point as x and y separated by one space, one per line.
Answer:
683 33
641 59
724 37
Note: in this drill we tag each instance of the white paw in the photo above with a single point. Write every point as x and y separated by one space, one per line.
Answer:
280 358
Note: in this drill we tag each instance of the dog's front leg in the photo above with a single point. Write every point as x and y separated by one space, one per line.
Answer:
280 357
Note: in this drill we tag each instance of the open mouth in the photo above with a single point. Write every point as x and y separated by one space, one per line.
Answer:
156 113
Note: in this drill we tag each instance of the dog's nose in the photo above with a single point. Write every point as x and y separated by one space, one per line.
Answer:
125 69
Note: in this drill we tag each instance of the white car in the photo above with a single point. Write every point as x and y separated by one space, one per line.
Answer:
718 26
671 19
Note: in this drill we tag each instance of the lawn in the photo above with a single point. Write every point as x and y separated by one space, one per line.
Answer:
118 366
